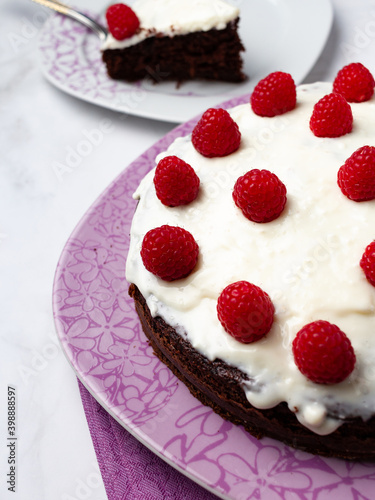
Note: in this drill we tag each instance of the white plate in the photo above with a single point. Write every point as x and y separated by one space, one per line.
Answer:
279 35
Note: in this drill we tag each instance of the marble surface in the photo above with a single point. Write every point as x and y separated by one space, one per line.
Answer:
39 125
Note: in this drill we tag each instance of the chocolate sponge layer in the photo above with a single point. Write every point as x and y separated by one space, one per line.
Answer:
211 55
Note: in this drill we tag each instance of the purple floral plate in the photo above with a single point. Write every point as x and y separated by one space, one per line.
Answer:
291 34
101 336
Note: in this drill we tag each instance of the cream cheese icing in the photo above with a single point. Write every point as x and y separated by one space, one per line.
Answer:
307 260
171 17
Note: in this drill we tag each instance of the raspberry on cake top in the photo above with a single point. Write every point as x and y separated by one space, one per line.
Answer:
313 259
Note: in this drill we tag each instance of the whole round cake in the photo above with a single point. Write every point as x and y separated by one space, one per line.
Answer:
252 266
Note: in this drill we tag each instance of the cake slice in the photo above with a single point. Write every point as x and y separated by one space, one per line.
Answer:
178 40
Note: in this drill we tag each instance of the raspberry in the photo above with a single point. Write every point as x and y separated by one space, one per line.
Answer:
175 181
122 21
245 311
216 134
323 353
331 117
356 178
367 263
355 83
274 95
169 252
260 195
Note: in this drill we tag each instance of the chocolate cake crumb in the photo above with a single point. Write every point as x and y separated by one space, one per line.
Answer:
210 55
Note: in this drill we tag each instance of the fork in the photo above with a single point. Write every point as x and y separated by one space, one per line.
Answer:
87 21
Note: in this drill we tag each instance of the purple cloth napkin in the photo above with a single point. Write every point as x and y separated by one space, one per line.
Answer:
131 471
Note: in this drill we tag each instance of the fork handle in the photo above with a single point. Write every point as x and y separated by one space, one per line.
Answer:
98 29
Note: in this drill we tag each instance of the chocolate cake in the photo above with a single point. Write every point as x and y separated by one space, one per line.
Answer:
307 260
170 45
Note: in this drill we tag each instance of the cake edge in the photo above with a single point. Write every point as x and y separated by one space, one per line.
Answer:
353 440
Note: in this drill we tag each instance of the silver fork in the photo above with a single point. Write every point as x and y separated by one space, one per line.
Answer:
98 29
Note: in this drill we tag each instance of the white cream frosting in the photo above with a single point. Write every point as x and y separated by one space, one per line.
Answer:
171 17
307 260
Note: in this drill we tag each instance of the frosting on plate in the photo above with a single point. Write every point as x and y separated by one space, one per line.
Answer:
307 260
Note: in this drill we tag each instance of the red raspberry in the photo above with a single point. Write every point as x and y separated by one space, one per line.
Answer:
216 134
122 21
356 178
331 117
260 195
245 311
355 83
367 263
169 252
274 95
323 353
175 181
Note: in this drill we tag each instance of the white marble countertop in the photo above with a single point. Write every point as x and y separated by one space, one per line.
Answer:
55 455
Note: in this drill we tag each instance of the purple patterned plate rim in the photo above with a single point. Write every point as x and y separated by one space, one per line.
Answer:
101 337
